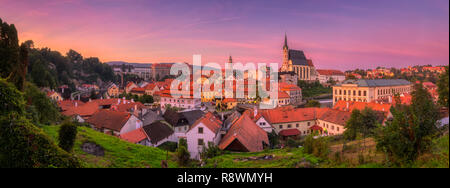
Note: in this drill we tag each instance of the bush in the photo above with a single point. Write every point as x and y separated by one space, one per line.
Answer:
210 152
67 136
182 153
169 146
26 146
318 147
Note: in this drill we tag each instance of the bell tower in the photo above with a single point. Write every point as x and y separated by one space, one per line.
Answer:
286 67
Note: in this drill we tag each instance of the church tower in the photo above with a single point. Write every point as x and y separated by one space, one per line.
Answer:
286 67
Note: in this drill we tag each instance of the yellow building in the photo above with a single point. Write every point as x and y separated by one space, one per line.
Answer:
113 90
370 90
296 61
54 96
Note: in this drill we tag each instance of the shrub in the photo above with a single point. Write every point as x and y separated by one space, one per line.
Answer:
182 153
169 146
210 152
25 146
67 136
318 147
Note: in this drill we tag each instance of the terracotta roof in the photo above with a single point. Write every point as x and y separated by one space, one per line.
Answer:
227 100
246 132
285 115
128 106
67 104
330 72
335 116
342 105
83 110
283 95
210 121
109 119
134 136
150 87
138 90
289 132
288 87
158 131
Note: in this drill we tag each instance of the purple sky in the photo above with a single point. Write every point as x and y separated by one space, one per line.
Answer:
335 34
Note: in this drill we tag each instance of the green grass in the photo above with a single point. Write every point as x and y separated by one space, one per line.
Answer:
118 153
283 158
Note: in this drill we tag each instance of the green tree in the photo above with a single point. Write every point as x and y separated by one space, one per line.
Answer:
443 88
182 153
67 135
312 103
47 109
410 132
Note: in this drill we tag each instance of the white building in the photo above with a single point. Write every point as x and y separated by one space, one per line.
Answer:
205 130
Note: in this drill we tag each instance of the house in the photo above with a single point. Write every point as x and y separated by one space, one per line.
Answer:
258 118
294 92
187 102
182 121
139 91
112 90
150 89
229 102
137 136
114 122
55 96
130 86
151 116
79 111
283 98
349 106
285 120
158 133
244 136
331 122
204 131
326 75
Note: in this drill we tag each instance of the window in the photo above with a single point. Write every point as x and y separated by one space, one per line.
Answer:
365 93
309 124
332 127
337 128
289 125
281 126
345 92
200 142
200 130
296 125
359 93
354 92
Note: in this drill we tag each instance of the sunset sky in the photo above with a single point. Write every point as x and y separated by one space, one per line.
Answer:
335 34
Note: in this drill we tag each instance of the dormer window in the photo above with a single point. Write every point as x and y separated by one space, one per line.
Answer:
200 130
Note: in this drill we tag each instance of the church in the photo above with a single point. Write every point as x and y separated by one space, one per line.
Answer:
296 66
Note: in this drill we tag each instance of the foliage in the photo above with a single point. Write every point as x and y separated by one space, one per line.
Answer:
318 147
169 146
24 146
274 139
312 103
210 151
443 88
313 89
67 135
182 153
362 122
11 100
47 110
410 132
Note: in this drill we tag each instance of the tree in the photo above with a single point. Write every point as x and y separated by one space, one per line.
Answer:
74 57
183 154
67 135
312 103
411 131
47 110
443 88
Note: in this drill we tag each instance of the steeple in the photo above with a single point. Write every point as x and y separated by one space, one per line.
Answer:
230 60
285 42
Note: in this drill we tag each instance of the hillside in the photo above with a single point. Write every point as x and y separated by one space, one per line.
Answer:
118 153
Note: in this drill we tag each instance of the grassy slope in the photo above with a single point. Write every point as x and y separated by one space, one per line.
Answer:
118 153
283 158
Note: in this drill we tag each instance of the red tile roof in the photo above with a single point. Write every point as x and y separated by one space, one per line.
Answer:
283 95
134 136
109 119
289 132
246 132
330 72
335 116
285 115
210 121
342 105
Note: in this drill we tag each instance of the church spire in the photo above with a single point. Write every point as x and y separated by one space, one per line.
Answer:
285 41
230 60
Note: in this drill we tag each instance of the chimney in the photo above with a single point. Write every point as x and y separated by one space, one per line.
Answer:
76 104
255 111
135 107
348 105
132 100
63 90
118 101
390 99
90 100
